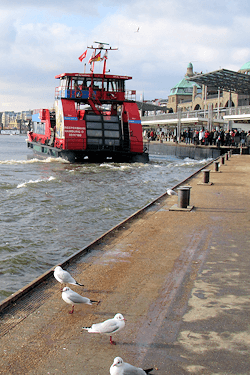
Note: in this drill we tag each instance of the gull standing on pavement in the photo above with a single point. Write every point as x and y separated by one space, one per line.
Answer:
64 277
108 327
171 192
73 298
122 368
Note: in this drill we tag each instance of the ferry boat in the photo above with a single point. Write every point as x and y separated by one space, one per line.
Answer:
92 120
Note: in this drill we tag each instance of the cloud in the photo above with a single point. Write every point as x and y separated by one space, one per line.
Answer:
39 39
60 6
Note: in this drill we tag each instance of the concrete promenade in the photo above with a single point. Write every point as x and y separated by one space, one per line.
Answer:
181 279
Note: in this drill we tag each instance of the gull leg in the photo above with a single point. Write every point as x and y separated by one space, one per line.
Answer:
71 312
111 341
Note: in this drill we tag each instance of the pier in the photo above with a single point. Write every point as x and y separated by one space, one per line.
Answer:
180 276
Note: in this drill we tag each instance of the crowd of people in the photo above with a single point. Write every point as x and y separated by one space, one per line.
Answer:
204 137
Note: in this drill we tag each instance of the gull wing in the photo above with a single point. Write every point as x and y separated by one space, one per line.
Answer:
76 298
132 370
66 277
109 326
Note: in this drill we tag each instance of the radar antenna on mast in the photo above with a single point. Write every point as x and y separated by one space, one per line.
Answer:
102 45
97 56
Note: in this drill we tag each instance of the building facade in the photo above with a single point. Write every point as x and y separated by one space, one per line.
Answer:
189 96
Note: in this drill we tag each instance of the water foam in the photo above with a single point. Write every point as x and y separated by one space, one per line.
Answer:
25 184
32 161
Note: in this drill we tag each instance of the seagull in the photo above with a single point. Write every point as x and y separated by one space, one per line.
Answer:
122 368
64 277
73 298
171 192
108 327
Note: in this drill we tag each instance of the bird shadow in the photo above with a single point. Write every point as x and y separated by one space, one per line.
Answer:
153 345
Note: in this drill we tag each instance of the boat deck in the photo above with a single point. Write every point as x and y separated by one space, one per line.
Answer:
180 278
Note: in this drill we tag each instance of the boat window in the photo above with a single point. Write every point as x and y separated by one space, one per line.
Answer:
110 118
69 82
111 134
117 86
94 133
111 126
120 84
105 85
93 118
63 82
112 142
97 85
112 86
94 125
39 127
95 141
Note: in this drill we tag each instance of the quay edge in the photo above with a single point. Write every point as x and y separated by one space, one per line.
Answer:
182 150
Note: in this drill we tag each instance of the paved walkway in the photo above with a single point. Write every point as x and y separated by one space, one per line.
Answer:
181 279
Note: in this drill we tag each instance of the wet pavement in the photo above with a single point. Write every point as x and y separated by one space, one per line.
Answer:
180 278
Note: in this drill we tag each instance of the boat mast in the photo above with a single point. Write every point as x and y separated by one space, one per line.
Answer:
97 56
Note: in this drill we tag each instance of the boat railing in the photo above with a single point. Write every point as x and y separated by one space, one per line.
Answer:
130 95
63 93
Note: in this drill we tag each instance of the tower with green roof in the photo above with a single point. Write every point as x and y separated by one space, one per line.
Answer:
245 68
183 91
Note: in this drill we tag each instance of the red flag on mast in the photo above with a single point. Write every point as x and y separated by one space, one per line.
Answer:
83 56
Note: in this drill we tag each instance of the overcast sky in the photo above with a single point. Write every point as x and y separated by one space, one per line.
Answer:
42 38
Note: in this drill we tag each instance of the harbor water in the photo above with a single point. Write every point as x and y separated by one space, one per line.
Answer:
51 209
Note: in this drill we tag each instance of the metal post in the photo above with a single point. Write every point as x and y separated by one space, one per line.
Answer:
218 115
178 135
222 159
226 156
206 176
210 117
183 196
216 166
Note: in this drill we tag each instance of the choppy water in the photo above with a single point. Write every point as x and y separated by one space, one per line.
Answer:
51 209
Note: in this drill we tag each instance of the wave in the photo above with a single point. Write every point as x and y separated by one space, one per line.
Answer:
193 162
32 161
25 184
116 166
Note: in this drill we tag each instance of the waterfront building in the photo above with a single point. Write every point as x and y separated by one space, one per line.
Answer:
190 96
11 119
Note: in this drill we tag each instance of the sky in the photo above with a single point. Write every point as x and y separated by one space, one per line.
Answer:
42 38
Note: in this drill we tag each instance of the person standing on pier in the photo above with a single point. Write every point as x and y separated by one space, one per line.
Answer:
201 136
206 136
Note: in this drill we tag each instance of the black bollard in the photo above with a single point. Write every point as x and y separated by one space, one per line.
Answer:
216 166
206 176
222 159
183 196
226 156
